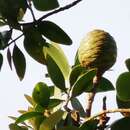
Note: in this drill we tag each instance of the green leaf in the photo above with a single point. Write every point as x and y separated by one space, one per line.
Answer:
55 73
54 102
50 122
127 63
69 128
75 73
56 53
123 104
33 43
9 58
54 33
27 116
76 59
82 83
1 60
104 86
77 106
123 86
29 99
121 124
41 94
5 36
45 5
16 127
89 125
19 62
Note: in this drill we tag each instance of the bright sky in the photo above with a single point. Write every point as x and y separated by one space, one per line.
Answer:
111 15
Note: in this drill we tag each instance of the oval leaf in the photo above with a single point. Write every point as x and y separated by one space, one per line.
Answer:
121 124
56 53
50 122
27 116
104 86
45 5
54 33
123 86
127 63
77 106
1 60
82 83
19 62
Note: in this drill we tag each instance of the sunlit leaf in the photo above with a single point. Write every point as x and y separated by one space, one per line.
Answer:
76 59
50 122
45 5
16 127
1 60
54 33
123 86
9 58
82 83
29 99
27 116
77 106
19 62
121 124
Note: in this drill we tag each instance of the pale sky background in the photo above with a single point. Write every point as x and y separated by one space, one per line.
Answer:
111 15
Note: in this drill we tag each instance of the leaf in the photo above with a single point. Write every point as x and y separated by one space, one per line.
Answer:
82 83
16 127
9 58
55 73
54 33
127 63
33 44
29 99
123 86
50 122
19 62
89 125
75 73
104 86
56 53
54 102
77 106
76 59
45 5
123 104
27 116
121 124
1 60
69 128
5 36
41 94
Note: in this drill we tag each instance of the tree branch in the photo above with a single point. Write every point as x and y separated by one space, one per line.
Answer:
107 111
54 12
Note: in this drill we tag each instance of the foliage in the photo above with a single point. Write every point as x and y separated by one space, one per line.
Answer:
55 107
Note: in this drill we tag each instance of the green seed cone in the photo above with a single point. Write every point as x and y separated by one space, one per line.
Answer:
97 50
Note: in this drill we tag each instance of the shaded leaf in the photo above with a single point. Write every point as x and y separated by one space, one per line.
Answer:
16 127
121 124
45 5
41 94
19 62
82 83
69 128
27 116
33 44
75 73
29 99
77 106
9 58
123 86
104 86
50 122
56 53
1 60
54 33
127 63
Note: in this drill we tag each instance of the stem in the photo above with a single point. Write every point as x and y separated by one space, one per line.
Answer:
53 12
107 111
